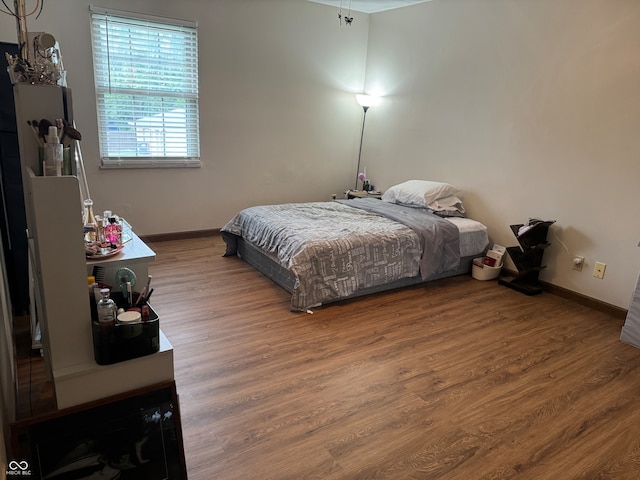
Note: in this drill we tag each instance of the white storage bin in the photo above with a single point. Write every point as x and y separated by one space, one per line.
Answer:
484 272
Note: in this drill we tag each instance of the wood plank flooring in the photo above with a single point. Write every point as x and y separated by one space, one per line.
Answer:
457 379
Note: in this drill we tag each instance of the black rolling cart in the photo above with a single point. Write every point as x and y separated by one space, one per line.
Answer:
528 256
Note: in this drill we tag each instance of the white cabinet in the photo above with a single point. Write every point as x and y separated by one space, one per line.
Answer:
58 265
54 220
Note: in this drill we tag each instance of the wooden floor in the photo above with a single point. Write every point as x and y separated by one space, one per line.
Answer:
458 379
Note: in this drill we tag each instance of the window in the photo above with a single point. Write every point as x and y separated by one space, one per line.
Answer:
146 74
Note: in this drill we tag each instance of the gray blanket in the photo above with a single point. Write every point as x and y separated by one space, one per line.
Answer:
439 238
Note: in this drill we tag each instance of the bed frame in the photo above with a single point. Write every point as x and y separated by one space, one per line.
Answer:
283 277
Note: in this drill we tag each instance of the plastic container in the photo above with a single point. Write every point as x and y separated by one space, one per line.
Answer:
484 272
126 340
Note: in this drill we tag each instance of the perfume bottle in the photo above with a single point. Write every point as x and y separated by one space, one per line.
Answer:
100 233
90 223
107 310
113 231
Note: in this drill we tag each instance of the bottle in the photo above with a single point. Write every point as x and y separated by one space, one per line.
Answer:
144 313
113 231
90 224
100 231
91 282
52 154
93 286
107 311
94 289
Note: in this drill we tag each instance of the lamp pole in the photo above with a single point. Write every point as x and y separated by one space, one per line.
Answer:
364 118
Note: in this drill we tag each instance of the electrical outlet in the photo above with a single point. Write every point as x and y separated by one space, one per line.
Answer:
598 270
578 262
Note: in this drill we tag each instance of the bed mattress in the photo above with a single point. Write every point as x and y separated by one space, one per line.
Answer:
473 236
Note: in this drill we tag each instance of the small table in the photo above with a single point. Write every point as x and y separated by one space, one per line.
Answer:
363 194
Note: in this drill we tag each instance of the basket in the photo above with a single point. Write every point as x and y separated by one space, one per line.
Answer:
484 272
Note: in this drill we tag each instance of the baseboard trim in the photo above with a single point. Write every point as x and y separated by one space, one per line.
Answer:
166 237
599 305
614 311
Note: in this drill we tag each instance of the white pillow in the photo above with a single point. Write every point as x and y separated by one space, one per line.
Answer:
419 192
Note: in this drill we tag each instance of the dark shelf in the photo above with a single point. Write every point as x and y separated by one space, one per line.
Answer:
528 256
518 284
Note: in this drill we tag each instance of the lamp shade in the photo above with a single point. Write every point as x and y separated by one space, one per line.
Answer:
367 100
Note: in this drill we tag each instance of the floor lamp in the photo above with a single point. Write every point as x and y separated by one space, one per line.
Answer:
365 102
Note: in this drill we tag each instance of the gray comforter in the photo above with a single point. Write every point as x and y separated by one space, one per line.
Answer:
334 249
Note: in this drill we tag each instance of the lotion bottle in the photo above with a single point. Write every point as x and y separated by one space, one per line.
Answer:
52 154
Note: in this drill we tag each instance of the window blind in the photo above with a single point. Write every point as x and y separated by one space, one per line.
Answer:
146 75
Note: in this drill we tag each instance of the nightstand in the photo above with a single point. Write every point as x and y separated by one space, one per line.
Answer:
363 194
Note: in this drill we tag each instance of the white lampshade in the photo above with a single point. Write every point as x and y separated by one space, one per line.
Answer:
367 100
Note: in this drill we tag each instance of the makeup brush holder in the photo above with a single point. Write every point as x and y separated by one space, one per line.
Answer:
125 341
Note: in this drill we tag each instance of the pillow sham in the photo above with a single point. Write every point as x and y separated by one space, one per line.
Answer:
450 206
447 203
419 192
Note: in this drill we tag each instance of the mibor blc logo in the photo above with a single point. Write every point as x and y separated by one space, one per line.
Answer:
18 468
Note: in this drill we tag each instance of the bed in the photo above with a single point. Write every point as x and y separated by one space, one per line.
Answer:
322 252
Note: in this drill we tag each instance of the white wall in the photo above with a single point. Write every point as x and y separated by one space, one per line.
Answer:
533 108
278 118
